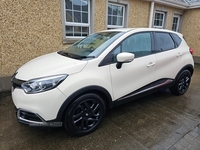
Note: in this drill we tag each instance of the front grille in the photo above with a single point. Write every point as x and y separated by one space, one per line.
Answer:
16 83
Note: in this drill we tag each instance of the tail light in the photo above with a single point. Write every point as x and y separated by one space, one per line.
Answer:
191 51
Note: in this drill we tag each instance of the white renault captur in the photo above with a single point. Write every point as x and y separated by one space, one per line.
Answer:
74 87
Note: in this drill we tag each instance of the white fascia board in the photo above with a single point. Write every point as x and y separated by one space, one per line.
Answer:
177 4
194 5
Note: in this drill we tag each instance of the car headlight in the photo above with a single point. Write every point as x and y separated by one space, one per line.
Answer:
42 84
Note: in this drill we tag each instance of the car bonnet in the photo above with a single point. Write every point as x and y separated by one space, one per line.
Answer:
48 65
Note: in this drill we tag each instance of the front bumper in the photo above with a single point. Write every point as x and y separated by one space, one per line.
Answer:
33 119
39 108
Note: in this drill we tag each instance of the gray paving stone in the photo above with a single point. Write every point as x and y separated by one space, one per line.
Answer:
182 143
182 130
193 134
189 138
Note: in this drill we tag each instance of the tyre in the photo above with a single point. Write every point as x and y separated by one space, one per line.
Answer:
84 115
182 83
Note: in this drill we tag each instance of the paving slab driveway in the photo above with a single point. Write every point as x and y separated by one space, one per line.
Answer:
156 122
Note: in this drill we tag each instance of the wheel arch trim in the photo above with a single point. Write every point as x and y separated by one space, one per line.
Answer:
186 67
89 89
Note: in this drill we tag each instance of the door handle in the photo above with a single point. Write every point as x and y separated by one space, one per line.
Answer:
179 54
151 64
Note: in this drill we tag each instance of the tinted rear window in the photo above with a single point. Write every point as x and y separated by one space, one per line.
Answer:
163 41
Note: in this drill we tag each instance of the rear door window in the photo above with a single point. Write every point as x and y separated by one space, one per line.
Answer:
163 42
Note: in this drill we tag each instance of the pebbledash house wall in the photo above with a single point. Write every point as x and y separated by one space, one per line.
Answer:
30 28
191 31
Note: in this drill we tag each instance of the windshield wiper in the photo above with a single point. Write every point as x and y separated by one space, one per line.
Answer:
66 54
74 56
86 56
83 57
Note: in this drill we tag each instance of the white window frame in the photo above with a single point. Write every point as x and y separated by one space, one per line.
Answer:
163 20
65 23
117 26
177 24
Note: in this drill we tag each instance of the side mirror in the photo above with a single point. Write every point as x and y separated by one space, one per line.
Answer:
124 58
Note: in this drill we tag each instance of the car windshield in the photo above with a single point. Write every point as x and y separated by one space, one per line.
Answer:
91 46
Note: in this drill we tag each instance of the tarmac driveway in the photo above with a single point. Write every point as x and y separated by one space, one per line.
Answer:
159 121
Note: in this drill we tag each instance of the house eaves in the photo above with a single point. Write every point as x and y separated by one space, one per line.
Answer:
183 4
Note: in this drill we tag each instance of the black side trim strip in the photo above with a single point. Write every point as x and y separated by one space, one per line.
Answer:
154 85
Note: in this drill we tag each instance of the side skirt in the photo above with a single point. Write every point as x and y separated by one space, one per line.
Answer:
146 90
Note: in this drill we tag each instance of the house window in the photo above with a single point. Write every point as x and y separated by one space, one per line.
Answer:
175 23
159 20
115 16
76 19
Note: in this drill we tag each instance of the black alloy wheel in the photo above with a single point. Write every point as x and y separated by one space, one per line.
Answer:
84 115
182 83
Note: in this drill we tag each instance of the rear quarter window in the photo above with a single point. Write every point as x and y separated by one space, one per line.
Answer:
177 39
